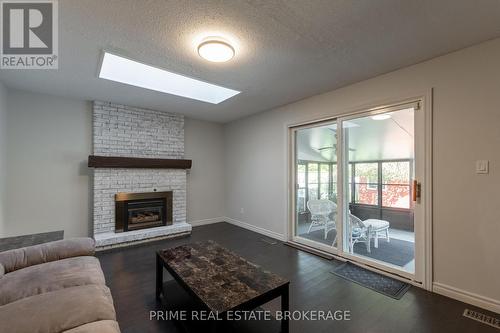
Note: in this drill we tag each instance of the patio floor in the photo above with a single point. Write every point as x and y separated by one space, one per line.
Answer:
399 251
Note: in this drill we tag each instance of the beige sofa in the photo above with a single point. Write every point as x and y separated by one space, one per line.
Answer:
55 287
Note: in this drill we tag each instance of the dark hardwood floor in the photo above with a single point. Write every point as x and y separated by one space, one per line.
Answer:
130 273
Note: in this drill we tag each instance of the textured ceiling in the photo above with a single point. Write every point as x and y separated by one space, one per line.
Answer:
286 50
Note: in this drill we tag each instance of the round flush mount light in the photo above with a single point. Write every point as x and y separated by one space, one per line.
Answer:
216 50
381 116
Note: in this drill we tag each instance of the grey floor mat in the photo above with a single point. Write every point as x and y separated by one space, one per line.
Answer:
377 282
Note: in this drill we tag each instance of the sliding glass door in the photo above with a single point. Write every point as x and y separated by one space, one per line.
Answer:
316 185
374 217
378 221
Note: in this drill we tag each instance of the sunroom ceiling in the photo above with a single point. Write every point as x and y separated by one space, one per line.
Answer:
368 139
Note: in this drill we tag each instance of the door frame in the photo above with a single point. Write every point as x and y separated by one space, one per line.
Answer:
425 247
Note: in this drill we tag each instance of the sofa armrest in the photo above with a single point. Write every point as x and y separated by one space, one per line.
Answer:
38 254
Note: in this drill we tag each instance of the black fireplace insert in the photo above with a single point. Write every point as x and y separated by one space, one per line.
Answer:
142 210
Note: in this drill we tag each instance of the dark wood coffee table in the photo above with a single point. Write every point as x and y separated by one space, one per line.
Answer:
220 280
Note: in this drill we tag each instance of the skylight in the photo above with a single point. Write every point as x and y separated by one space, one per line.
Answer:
119 69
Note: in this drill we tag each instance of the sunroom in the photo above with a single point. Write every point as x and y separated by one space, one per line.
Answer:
378 176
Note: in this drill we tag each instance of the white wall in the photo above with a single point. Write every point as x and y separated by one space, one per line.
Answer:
204 144
3 153
466 128
49 139
49 142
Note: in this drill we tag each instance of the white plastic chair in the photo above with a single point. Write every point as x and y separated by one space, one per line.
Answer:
320 214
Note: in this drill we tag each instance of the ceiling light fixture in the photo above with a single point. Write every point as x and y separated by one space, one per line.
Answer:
383 116
215 49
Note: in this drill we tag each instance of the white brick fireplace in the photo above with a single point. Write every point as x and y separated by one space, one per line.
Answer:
124 131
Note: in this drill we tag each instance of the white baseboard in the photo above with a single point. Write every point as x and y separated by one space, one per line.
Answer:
207 221
241 224
467 297
259 230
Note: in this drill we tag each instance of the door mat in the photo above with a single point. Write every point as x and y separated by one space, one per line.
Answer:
374 281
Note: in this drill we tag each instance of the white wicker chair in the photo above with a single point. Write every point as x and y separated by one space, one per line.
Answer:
320 214
378 227
364 231
359 233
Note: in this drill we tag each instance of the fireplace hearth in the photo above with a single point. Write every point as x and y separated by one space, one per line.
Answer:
142 210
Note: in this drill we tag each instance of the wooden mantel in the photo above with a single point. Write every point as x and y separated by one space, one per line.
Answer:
138 163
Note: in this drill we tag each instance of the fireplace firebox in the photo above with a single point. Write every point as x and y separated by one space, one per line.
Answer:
142 210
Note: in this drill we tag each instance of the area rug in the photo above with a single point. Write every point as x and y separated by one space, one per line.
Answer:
397 252
374 281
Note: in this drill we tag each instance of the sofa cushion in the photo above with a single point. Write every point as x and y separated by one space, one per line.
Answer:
38 254
50 276
59 310
2 270
101 326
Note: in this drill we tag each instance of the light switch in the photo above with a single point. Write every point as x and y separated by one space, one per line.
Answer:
482 166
